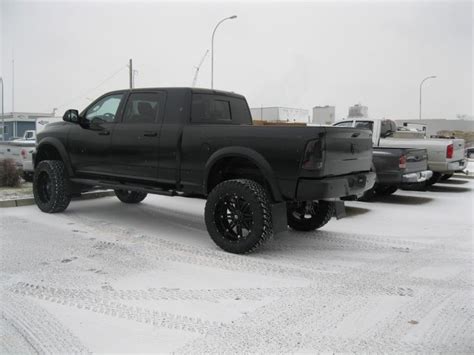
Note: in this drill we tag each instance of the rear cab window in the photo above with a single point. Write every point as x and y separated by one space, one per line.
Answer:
219 109
364 125
343 124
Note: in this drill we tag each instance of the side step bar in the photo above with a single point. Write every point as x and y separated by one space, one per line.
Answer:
116 185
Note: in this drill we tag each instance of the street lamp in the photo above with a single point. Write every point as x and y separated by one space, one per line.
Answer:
421 86
3 115
212 47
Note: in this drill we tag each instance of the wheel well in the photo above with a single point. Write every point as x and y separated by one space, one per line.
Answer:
236 168
47 152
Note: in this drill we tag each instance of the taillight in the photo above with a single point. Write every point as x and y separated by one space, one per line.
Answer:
23 153
450 151
313 154
402 162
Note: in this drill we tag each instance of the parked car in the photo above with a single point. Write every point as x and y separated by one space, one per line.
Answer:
257 179
17 148
445 156
470 152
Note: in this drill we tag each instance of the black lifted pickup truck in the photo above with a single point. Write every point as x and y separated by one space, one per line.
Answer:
184 141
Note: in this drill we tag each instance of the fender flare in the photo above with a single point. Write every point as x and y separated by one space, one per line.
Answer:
56 143
249 154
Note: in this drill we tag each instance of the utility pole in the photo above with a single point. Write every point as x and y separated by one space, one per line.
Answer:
3 113
130 72
13 85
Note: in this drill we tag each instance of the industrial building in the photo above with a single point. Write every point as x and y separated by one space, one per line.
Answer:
280 114
16 123
358 111
323 115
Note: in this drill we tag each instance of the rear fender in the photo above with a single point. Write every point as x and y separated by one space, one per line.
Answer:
251 155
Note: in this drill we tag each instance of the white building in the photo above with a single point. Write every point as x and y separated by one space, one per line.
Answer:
358 111
323 115
280 114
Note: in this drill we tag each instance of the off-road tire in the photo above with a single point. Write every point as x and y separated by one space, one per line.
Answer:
323 211
130 196
257 205
386 190
51 186
446 177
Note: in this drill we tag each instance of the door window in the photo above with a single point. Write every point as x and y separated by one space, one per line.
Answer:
142 107
104 110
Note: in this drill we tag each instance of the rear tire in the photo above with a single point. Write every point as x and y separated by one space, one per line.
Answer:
386 190
238 216
434 179
130 196
51 186
446 177
367 196
304 218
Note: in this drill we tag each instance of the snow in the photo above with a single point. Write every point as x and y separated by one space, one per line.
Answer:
394 276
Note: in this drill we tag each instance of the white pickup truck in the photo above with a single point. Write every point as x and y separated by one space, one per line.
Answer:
445 156
20 150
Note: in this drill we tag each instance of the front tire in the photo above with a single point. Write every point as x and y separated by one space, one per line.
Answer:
238 216
130 196
51 187
310 215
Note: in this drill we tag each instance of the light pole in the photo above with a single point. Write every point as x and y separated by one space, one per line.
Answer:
421 86
212 47
3 114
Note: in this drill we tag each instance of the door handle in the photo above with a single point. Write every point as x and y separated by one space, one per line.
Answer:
104 133
150 133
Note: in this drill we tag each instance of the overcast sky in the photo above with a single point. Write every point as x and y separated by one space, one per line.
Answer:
275 53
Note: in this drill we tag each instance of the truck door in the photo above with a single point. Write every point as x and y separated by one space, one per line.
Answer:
89 147
135 140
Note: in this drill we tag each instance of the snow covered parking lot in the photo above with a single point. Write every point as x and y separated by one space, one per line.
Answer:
394 276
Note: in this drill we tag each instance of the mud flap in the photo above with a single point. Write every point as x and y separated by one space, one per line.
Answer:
339 209
279 219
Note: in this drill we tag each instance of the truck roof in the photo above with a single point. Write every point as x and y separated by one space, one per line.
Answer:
192 90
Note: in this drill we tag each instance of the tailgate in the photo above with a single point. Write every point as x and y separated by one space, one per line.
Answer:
458 146
416 160
347 150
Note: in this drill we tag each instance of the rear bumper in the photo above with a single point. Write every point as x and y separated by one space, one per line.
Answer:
457 165
420 176
334 187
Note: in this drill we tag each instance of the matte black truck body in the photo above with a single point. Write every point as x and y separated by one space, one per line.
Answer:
183 140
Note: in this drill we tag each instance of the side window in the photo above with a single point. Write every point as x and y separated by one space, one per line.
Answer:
142 107
364 125
343 124
240 111
105 109
210 109
221 110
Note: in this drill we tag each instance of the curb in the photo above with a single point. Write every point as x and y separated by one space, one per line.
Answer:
31 201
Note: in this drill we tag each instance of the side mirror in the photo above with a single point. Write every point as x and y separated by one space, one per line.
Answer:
71 116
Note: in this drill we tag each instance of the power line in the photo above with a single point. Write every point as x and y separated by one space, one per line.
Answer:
95 87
